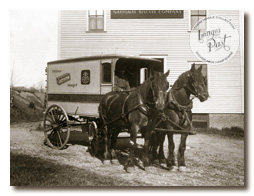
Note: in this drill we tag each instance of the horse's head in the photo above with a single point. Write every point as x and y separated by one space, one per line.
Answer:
197 84
159 87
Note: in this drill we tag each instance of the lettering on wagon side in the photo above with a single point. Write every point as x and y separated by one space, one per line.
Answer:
63 78
56 71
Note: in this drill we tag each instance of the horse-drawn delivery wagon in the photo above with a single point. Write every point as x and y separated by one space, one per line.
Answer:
75 87
108 94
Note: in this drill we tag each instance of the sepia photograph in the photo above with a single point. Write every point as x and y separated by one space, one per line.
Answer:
127 98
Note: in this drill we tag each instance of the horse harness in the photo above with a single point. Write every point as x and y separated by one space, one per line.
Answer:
182 111
179 109
142 107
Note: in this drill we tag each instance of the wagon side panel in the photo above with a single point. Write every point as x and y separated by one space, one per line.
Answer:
75 86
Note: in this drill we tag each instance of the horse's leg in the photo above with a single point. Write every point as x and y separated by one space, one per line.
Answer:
106 155
154 147
171 152
182 146
157 139
113 145
162 158
133 143
147 145
180 156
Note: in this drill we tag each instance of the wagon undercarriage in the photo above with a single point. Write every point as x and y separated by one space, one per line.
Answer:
58 128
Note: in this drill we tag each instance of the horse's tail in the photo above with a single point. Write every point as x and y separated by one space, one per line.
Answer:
101 115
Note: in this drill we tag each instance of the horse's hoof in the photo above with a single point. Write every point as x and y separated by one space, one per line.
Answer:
163 161
146 163
192 132
107 162
90 150
182 169
173 169
156 162
130 169
164 165
114 161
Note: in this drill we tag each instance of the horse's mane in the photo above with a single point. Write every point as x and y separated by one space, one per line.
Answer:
145 87
181 80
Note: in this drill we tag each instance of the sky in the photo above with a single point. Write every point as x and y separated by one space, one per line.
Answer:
33 42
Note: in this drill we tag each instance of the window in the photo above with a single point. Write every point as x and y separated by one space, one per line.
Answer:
143 75
197 15
106 73
96 20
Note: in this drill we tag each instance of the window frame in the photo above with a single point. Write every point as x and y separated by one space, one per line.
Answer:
190 25
102 72
163 56
88 30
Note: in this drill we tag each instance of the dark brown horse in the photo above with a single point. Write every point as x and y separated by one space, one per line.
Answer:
135 111
178 115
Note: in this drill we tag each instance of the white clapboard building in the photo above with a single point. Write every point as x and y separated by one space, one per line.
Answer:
164 35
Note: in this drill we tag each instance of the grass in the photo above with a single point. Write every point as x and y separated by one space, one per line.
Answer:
233 132
21 110
33 171
21 115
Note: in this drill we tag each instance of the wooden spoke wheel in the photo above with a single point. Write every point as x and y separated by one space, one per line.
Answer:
93 139
92 131
57 127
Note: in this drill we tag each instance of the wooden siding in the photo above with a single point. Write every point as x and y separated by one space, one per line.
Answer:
155 37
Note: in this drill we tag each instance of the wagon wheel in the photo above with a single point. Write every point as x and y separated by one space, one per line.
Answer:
92 131
93 138
57 128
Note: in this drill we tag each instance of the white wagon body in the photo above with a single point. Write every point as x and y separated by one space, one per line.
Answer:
78 84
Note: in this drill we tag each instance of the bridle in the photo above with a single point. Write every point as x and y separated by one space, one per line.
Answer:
194 86
153 102
146 101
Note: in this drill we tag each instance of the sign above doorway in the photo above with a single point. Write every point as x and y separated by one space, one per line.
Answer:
146 14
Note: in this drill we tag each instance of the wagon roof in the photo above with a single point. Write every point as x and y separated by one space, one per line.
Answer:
99 57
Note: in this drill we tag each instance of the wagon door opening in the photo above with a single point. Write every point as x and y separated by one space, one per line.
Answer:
137 70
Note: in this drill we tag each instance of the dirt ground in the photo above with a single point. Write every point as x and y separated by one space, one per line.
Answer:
211 160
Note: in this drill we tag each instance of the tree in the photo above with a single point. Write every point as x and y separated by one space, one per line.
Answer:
41 85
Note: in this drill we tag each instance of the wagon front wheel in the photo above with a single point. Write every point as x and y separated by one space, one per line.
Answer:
56 127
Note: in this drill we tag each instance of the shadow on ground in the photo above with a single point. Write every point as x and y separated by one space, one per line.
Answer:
34 171
122 148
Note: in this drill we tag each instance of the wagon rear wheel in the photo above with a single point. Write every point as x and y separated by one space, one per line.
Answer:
93 138
92 131
57 127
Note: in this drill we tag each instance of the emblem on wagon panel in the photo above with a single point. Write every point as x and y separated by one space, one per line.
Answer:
63 78
85 77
